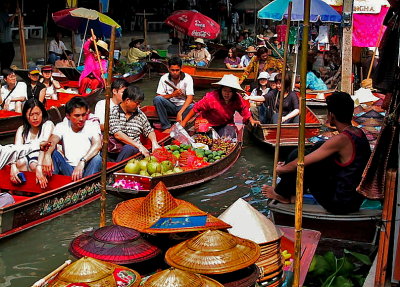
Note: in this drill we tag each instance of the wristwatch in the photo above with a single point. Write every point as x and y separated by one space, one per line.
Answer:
83 159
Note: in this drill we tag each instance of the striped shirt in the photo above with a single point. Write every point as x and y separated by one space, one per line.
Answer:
133 127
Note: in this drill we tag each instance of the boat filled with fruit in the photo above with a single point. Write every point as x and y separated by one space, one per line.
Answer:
178 165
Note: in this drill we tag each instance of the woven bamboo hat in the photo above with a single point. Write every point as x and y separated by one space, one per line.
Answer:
92 272
142 213
213 252
115 244
173 277
247 222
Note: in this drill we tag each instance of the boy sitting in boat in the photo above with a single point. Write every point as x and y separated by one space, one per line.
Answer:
174 94
334 169
81 144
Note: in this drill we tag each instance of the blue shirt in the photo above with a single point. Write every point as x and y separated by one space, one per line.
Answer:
315 83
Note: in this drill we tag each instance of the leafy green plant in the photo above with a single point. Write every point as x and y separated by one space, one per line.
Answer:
329 271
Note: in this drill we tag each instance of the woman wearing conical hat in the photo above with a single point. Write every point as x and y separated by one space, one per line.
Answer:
219 106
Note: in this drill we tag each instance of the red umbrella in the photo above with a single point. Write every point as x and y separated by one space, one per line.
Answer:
194 24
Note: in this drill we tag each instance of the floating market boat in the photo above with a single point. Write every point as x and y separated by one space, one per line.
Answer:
180 180
317 98
266 133
203 77
10 121
34 205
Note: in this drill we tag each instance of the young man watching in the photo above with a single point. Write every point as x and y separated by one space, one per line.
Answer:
174 94
35 89
334 169
128 122
117 88
81 143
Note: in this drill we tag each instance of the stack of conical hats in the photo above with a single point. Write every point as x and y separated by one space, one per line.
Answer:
92 272
173 277
115 244
217 253
159 212
249 223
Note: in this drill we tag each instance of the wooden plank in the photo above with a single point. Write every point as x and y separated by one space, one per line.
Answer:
386 229
347 66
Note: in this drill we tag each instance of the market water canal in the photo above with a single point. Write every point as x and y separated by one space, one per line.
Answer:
32 254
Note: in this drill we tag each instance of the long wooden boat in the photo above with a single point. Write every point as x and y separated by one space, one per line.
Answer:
203 77
359 226
181 180
266 133
35 205
10 121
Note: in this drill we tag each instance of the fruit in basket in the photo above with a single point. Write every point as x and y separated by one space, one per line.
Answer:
152 158
177 169
144 173
168 172
132 167
132 160
143 164
166 165
153 167
156 174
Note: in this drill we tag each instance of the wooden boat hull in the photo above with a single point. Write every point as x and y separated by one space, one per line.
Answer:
11 121
317 98
181 180
203 77
158 66
266 133
359 226
34 206
136 77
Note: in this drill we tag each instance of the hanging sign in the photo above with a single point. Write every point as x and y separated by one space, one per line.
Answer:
368 6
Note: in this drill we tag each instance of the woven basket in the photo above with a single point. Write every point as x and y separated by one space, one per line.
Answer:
96 273
213 252
178 278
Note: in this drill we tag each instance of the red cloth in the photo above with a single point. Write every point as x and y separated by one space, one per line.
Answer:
367 28
86 83
281 32
214 109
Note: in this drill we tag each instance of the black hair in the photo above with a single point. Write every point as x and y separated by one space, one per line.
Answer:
261 50
6 72
175 61
75 102
29 105
133 93
118 84
234 92
234 52
341 105
278 78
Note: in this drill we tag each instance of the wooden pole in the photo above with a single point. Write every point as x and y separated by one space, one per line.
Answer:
281 96
300 159
46 50
22 38
347 53
42 281
106 131
144 28
98 58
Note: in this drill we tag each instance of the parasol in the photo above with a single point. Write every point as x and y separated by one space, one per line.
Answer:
278 9
193 24
81 19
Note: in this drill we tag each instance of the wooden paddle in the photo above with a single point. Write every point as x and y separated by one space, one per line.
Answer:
42 281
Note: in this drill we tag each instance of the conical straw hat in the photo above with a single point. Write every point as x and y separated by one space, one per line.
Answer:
93 272
173 277
186 217
115 244
213 252
247 222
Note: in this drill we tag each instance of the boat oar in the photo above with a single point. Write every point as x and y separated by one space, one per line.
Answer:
22 37
171 85
42 281
300 156
281 96
106 131
98 58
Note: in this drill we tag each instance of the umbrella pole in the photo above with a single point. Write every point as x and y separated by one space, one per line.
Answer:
281 96
300 159
45 33
106 131
22 38
83 42
99 59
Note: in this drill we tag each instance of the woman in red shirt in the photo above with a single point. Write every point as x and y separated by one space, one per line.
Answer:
219 106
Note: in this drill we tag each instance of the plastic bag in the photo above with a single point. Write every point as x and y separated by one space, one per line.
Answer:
179 133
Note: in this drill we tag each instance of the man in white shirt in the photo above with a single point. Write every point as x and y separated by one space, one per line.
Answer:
246 58
117 88
81 143
56 49
174 94
13 93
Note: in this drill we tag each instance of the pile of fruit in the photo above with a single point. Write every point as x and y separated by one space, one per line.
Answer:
177 157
